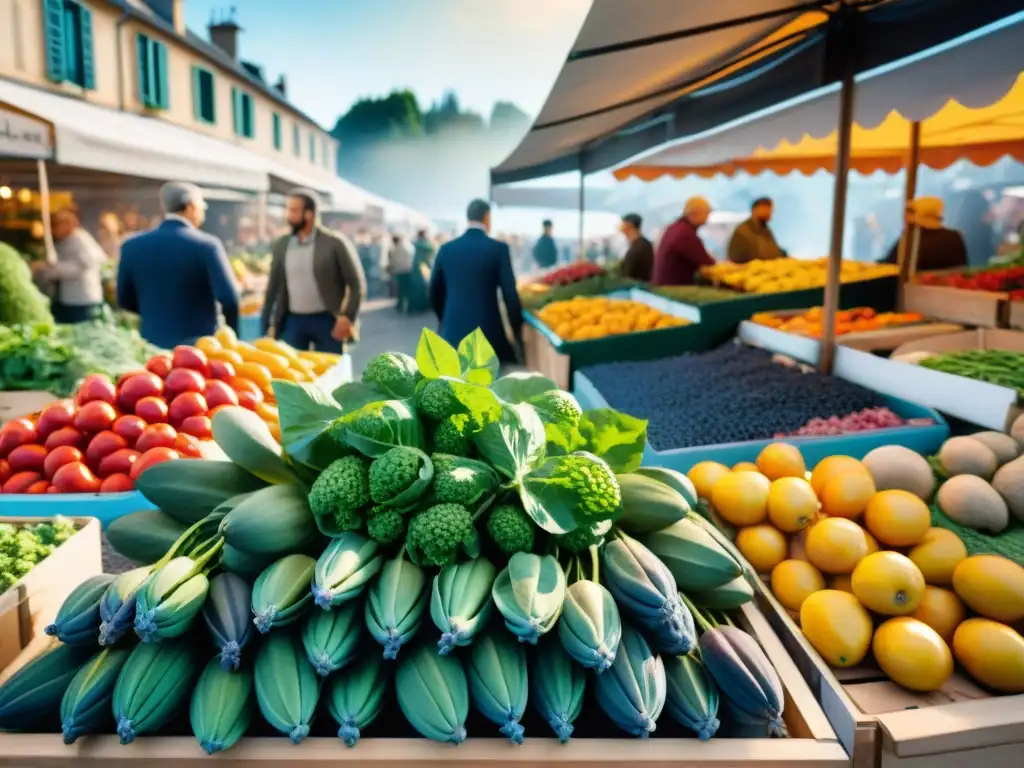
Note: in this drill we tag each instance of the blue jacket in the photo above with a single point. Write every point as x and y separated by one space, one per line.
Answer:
468 273
173 277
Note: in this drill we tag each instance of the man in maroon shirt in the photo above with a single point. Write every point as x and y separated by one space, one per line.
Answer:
681 252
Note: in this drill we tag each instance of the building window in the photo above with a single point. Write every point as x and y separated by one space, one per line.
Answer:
297 140
69 47
277 131
152 60
312 148
204 99
245 125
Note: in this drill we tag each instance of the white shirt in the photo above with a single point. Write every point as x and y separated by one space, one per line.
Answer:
77 271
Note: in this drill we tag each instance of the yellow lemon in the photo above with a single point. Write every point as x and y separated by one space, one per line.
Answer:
705 474
847 493
938 554
742 498
829 467
992 652
897 518
792 504
888 583
912 654
763 546
781 460
837 625
745 466
941 610
793 581
836 545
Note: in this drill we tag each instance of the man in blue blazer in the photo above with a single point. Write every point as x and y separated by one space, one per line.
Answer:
468 273
174 276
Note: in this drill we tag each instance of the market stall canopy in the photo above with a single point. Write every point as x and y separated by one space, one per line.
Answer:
968 97
640 75
92 137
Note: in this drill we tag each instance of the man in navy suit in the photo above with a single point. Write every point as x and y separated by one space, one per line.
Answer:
174 276
468 273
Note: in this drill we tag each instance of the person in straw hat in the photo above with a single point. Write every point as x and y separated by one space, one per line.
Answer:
937 247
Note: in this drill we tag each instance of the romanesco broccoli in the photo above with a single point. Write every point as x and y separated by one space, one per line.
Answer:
462 481
385 525
557 407
592 481
394 372
448 438
436 533
437 401
511 528
21 548
340 493
584 537
369 421
400 476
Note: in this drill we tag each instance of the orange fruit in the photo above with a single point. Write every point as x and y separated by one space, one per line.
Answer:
742 498
941 610
836 545
937 555
847 493
793 581
705 474
888 583
781 460
829 467
792 504
897 518
912 654
745 466
841 582
763 546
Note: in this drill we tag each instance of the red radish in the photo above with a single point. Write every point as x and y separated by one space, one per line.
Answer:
151 457
136 387
117 483
192 358
160 365
65 436
20 481
75 478
156 436
222 370
102 445
184 405
16 432
152 410
119 462
5 472
183 380
197 426
95 416
39 486
54 416
188 446
219 393
27 458
96 388
58 457
129 427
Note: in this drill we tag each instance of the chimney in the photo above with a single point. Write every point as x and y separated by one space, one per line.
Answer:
178 16
281 86
224 34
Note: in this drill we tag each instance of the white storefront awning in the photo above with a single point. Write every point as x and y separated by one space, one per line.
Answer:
89 136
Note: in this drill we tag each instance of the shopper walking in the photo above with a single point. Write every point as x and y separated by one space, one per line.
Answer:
681 252
638 263
316 283
174 276
419 279
76 276
753 240
469 271
545 252
400 269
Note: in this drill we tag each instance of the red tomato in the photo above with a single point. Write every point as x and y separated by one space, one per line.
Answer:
54 416
58 457
152 410
119 462
188 446
129 427
96 388
102 445
117 483
136 387
51 489
219 393
27 458
160 365
190 357
65 436
125 376
16 432
184 405
183 380
5 472
75 478
222 370
95 416
197 426
151 457
39 486
156 436
249 400
20 481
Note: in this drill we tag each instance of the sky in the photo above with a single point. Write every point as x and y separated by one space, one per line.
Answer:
333 52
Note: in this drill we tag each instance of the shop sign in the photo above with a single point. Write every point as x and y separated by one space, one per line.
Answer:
24 136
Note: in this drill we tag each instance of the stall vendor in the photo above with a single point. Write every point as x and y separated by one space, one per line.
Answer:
753 240
76 274
681 252
639 260
937 246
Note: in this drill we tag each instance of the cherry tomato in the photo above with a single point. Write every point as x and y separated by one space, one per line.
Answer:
129 427
96 388
5 472
65 436
19 482
188 446
54 416
14 433
150 458
160 365
198 426
58 457
152 410
117 483
102 445
119 462
76 477
27 458
39 486
184 405
156 436
95 416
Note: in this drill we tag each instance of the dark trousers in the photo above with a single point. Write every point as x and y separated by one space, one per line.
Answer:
402 280
74 313
310 331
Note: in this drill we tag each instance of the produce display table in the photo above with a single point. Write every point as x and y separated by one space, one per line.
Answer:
977 402
883 724
923 439
812 743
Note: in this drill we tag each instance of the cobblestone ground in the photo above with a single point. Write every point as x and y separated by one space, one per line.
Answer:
382 329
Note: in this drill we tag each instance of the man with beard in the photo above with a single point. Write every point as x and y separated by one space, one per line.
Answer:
316 282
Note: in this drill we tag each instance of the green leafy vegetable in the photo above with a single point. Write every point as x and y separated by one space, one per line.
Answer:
477 359
306 412
514 442
436 358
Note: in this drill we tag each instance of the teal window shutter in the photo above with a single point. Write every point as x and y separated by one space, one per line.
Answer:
203 97
53 27
236 103
277 131
85 41
163 89
144 70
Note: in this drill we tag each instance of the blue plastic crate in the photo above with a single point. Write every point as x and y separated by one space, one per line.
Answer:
925 439
106 507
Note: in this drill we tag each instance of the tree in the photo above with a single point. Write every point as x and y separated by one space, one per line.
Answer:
447 115
394 116
507 116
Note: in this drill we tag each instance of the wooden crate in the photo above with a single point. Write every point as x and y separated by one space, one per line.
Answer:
14 405
982 308
884 725
28 606
813 743
542 357
1016 315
